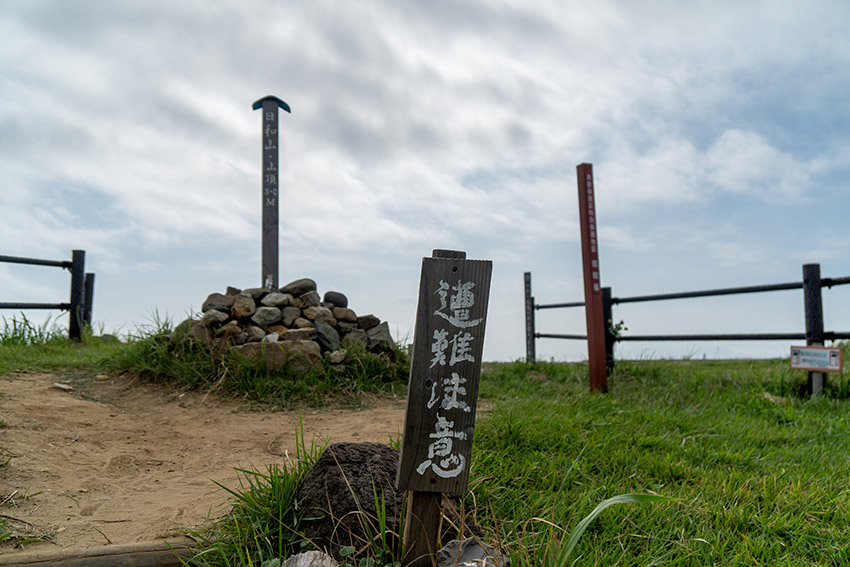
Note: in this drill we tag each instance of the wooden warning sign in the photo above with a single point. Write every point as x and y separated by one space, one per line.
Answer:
817 358
448 342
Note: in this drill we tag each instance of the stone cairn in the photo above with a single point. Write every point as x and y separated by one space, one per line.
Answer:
292 326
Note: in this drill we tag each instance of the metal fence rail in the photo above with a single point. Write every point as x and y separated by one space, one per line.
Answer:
811 285
82 290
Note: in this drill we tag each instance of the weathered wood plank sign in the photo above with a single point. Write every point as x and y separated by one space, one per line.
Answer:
271 193
448 343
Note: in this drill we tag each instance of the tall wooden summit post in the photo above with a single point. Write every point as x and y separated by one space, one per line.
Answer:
592 282
270 185
448 342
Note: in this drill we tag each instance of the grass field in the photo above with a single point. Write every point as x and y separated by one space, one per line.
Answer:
757 471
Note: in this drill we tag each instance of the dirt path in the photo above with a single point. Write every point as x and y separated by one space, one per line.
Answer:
110 463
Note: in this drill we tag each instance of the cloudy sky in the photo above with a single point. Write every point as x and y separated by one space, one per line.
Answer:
719 132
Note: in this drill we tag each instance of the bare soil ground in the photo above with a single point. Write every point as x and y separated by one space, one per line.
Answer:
118 462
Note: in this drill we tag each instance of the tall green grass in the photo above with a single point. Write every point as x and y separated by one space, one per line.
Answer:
26 346
757 479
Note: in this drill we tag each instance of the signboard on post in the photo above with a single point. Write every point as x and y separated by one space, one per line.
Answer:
592 281
448 343
271 192
817 358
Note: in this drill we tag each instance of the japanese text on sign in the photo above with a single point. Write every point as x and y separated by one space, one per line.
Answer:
270 175
451 346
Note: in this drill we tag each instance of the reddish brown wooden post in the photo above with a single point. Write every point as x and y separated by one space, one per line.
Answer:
448 342
592 281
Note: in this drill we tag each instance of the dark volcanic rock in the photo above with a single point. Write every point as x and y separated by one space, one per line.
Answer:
326 335
219 302
335 298
299 287
338 494
367 322
380 338
338 497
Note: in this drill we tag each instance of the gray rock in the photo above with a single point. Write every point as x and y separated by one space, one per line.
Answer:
277 299
214 318
367 322
255 333
299 287
326 335
256 293
470 552
336 357
229 330
355 337
335 298
270 338
289 315
243 306
306 300
344 314
240 339
184 329
319 313
306 334
266 316
218 302
301 356
200 332
310 559
345 327
380 338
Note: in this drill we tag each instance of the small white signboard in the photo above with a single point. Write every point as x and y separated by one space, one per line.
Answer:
816 358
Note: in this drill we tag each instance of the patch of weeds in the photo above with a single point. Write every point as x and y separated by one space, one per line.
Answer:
196 365
263 523
14 531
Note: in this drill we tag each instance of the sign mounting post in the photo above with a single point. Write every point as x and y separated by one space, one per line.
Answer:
271 193
448 343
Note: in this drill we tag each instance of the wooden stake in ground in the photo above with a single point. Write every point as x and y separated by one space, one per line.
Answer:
271 193
592 281
448 343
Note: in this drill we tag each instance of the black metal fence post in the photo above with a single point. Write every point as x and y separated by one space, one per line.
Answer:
608 317
813 305
529 320
89 298
78 269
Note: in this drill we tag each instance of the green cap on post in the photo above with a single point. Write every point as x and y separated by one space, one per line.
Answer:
259 103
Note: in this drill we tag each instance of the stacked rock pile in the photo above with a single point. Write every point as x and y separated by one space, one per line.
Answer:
292 326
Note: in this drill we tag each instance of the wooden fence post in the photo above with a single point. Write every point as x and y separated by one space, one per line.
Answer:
813 304
78 271
592 280
448 343
89 298
610 339
530 353
271 190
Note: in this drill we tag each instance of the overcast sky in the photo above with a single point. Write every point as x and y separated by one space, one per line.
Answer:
719 133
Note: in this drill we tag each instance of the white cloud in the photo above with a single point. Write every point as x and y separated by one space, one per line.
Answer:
744 162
